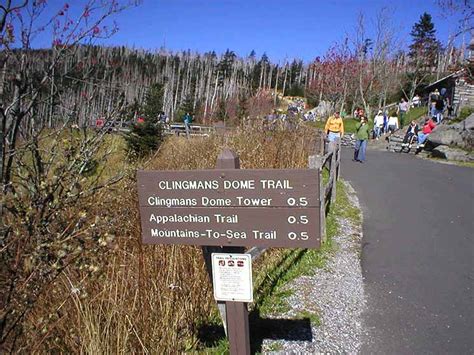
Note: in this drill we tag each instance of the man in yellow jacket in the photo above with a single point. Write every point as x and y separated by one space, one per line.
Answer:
334 127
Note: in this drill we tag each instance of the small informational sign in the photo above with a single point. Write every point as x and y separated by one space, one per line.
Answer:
265 208
232 277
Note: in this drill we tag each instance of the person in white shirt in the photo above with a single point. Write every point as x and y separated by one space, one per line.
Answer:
378 124
392 122
416 101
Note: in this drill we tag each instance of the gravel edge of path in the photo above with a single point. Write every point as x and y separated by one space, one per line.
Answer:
335 293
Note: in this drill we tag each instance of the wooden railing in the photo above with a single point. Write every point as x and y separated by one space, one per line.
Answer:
194 130
329 165
177 129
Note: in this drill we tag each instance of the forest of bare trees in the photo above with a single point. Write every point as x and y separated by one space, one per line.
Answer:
91 80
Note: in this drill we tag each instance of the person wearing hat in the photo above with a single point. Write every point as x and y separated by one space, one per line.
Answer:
378 124
334 127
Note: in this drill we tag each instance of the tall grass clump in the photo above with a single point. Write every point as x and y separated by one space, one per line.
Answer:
143 298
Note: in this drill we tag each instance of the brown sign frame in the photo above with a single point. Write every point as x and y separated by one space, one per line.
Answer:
261 200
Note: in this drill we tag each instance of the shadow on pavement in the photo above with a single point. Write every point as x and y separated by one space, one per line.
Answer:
260 329
277 329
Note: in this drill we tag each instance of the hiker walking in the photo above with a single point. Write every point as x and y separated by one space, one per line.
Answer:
392 122
402 110
362 136
334 127
187 119
378 124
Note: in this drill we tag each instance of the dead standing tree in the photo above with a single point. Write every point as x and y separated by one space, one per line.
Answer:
47 168
376 72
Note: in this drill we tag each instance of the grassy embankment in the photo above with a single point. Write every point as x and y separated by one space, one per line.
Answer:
463 114
152 298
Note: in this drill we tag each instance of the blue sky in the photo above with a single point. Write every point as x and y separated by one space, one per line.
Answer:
283 29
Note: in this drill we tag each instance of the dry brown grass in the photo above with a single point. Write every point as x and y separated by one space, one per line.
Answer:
149 299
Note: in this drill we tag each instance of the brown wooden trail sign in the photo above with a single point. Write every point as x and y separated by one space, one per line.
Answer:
232 209
267 208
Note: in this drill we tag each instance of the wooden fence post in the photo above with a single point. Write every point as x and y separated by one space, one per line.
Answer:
316 162
332 172
322 210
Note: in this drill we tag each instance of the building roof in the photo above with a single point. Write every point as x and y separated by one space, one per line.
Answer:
454 74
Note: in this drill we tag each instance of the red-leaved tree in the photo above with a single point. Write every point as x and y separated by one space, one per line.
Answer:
333 77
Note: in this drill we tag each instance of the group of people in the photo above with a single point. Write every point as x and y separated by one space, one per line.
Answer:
440 104
384 122
309 116
297 105
334 129
413 132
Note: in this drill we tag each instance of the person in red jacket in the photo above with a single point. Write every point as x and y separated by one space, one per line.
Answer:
428 127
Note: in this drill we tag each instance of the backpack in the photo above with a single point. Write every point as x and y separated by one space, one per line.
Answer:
439 104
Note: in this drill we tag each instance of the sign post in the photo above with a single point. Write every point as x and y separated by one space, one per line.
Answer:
236 313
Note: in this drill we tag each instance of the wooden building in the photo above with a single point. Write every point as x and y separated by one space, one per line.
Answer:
459 85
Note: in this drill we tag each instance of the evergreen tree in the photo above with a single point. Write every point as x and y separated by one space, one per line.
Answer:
263 64
425 47
153 102
365 48
225 65
264 60
295 70
144 138
131 111
188 105
242 107
221 113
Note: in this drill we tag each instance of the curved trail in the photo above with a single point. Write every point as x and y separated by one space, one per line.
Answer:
417 253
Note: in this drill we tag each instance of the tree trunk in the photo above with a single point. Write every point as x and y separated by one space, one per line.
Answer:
284 80
276 88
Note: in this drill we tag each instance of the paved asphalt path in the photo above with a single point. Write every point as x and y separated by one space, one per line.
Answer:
417 253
